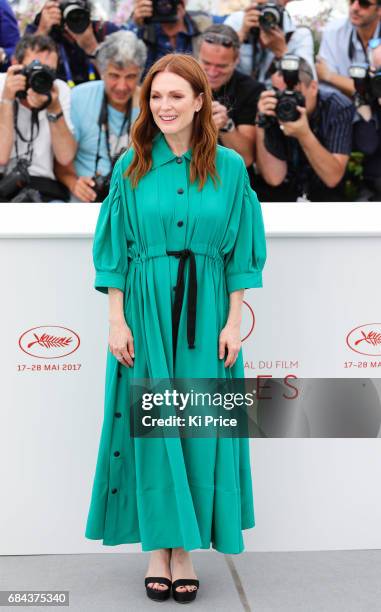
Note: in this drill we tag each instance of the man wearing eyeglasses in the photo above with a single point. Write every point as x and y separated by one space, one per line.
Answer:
345 42
235 94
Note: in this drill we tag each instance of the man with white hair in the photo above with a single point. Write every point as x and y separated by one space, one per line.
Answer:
102 113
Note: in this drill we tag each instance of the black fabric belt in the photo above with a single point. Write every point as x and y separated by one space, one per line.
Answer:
179 298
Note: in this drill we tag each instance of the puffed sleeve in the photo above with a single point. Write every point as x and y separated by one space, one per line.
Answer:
110 244
244 264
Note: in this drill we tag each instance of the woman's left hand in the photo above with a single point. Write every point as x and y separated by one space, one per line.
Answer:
230 340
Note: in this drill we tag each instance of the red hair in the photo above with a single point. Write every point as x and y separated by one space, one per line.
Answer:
204 133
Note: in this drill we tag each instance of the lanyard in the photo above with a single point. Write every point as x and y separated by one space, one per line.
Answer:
103 124
69 76
33 124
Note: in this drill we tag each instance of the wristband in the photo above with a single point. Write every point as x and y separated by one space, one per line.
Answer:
6 101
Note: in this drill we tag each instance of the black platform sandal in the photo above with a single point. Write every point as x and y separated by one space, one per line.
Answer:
184 596
157 594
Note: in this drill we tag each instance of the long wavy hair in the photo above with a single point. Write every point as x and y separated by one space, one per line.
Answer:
204 134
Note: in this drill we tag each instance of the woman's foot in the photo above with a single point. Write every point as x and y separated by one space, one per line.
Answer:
159 565
182 567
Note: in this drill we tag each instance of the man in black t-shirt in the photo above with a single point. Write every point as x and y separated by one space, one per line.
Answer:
235 94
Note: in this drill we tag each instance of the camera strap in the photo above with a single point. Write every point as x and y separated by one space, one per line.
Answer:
34 125
104 126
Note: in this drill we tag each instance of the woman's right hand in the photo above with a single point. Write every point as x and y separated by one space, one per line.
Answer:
121 343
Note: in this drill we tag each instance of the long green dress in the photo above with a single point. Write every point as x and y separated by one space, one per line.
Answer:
169 492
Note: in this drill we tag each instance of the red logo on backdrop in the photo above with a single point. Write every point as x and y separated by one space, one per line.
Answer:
365 339
248 321
49 341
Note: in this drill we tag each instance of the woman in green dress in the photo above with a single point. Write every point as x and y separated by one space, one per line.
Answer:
178 239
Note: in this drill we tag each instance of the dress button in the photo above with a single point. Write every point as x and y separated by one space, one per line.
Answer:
118 415
180 223
179 160
180 191
113 491
116 454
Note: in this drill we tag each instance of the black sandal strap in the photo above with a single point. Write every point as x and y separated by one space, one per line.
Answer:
160 579
184 581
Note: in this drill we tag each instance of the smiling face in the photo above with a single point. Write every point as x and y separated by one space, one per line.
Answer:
218 62
173 103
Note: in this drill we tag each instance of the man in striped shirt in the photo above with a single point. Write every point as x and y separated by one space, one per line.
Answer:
305 158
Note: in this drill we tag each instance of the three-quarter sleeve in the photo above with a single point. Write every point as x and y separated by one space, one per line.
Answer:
110 244
244 264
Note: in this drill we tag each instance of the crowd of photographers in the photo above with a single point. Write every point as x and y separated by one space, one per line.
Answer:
69 94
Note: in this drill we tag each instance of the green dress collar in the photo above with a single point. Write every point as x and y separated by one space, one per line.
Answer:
162 153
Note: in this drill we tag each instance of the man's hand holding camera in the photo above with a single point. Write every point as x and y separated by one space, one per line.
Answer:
220 114
50 16
270 38
143 9
14 82
274 40
37 100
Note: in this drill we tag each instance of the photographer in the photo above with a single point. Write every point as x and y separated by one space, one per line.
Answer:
345 42
77 36
303 137
267 32
367 123
34 120
9 34
235 94
102 113
177 30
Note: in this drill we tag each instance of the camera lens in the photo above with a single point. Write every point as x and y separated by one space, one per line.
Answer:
269 18
76 18
164 7
41 81
286 109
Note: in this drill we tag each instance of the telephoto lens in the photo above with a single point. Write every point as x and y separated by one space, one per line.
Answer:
164 11
76 15
271 16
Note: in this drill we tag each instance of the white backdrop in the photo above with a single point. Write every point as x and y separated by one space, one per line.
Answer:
321 281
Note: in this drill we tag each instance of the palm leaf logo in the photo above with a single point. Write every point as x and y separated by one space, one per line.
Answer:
373 338
52 341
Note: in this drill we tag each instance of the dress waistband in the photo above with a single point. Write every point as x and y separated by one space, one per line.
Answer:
160 250
182 255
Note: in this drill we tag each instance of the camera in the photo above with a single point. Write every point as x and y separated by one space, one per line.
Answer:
39 77
271 16
164 11
16 180
367 83
289 99
102 186
76 15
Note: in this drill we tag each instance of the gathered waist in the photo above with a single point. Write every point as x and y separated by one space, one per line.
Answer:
160 250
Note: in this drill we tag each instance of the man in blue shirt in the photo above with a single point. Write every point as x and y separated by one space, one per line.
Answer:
345 41
182 36
102 113
77 50
9 34
304 157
